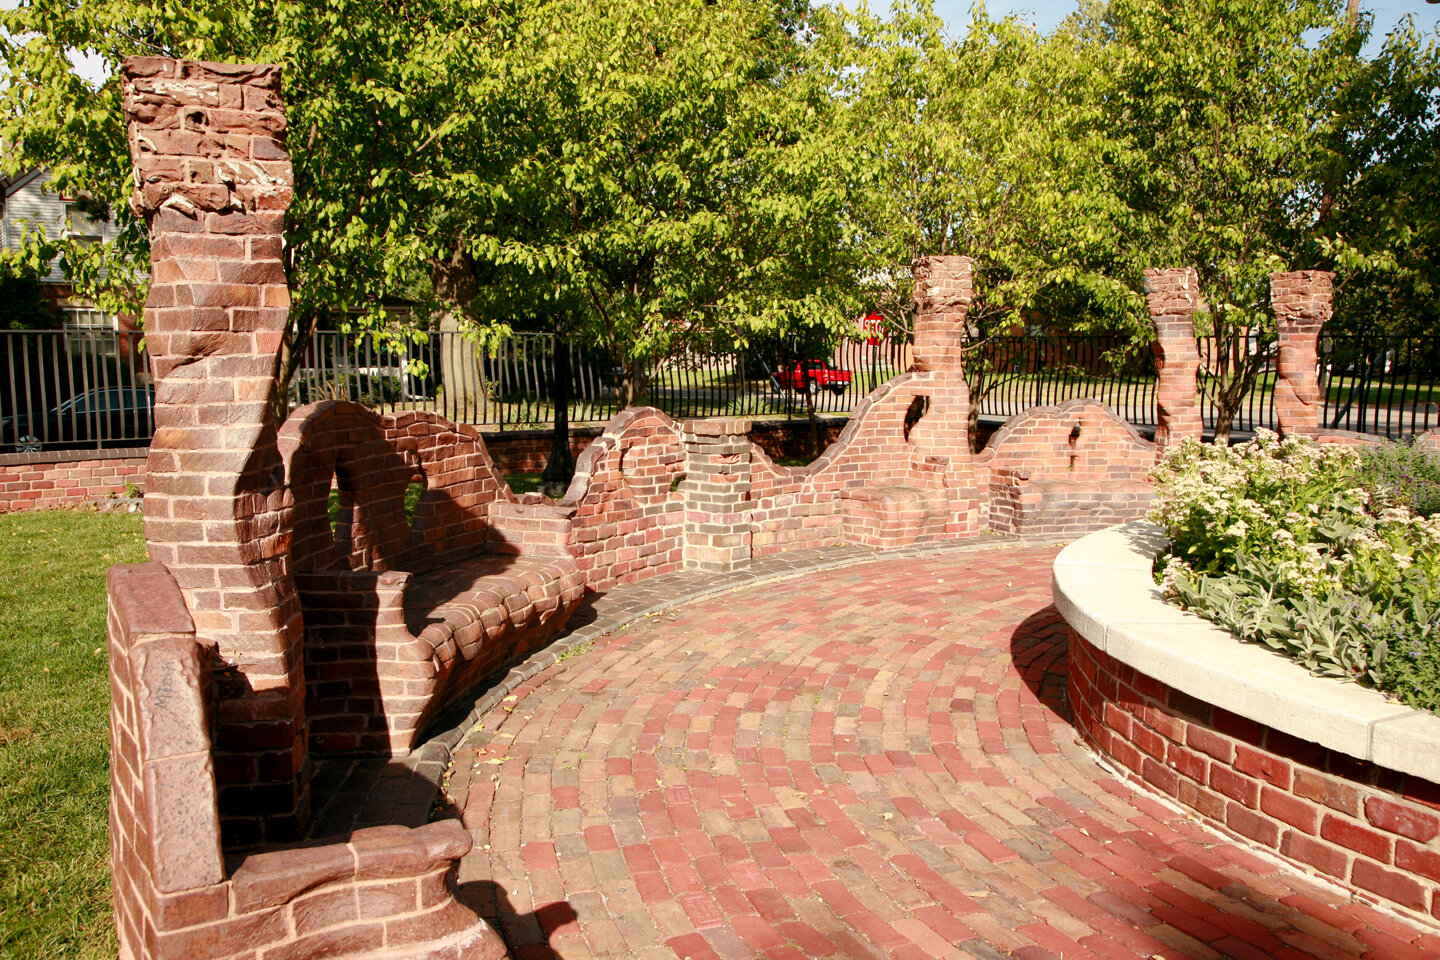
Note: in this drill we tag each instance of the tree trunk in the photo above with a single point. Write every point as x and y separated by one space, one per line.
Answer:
462 380
293 349
560 468
632 382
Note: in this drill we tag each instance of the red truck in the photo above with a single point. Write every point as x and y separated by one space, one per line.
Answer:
812 376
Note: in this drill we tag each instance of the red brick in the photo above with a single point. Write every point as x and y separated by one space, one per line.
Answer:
1188 763
1357 837
1393 886
1273 770
1335 794
1299 813
1161 777
1234 786
1321 856
1247 823
1417 859
1406 821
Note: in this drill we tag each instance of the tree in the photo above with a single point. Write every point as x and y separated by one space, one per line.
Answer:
670 191
1223 115
640 174
22 303
379 94
1379 221
990 146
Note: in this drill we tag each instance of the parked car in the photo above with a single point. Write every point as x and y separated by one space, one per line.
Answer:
117 416
812 376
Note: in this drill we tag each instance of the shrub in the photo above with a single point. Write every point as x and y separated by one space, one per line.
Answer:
1295 545
1403 473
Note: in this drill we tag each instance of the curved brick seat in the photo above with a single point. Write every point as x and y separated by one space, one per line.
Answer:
403 617
389 889
892 515
1067 469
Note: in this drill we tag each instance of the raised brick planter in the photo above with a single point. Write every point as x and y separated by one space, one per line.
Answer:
1326 774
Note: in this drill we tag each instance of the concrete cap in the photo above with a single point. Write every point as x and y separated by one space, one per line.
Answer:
1105 590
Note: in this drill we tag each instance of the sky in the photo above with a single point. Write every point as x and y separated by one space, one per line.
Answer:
1047 14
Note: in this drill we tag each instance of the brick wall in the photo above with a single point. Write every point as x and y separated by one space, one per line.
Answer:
28 482
1372 828
66 479
901 470
1066 470
626 511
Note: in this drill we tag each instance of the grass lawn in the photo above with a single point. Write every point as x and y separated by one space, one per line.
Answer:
54 733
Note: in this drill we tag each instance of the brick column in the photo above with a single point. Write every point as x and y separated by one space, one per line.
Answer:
1301 302
213 181
1172 296
944 289
717 494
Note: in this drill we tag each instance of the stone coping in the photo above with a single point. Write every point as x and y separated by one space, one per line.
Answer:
72 456
1104 588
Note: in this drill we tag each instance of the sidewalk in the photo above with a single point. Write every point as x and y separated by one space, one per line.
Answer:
869 758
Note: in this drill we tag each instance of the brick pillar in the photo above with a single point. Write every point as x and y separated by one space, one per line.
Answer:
944 288
1301 302
717 494
1172 296
213 181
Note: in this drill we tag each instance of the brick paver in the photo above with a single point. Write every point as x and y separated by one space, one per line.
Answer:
864 762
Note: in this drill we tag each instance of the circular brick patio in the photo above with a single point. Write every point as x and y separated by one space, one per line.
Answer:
866 762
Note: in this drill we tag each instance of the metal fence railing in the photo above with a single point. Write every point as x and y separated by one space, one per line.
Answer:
512 387
88 387
1385 386
73 388
1008 375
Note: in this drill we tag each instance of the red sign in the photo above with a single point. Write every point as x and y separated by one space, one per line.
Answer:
873 326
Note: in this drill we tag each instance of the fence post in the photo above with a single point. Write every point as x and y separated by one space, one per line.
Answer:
213 183
1172 295
1301 302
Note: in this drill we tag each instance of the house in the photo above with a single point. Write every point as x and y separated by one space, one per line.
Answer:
29 205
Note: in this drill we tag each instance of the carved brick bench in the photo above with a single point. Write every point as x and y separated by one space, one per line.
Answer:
383 891
404 615
893 515
1067 469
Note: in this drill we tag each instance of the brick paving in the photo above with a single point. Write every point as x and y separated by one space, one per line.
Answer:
862 761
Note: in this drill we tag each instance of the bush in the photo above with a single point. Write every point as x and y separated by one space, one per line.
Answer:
1403 473
1300 547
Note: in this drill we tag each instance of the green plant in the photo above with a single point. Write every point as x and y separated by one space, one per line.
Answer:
1298 546
1404 473
54 742
523 482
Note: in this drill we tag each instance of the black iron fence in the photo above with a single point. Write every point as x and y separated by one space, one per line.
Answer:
512 385
89 388
86 388
1385 386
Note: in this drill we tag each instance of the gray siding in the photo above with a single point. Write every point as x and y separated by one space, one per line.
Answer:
27 199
